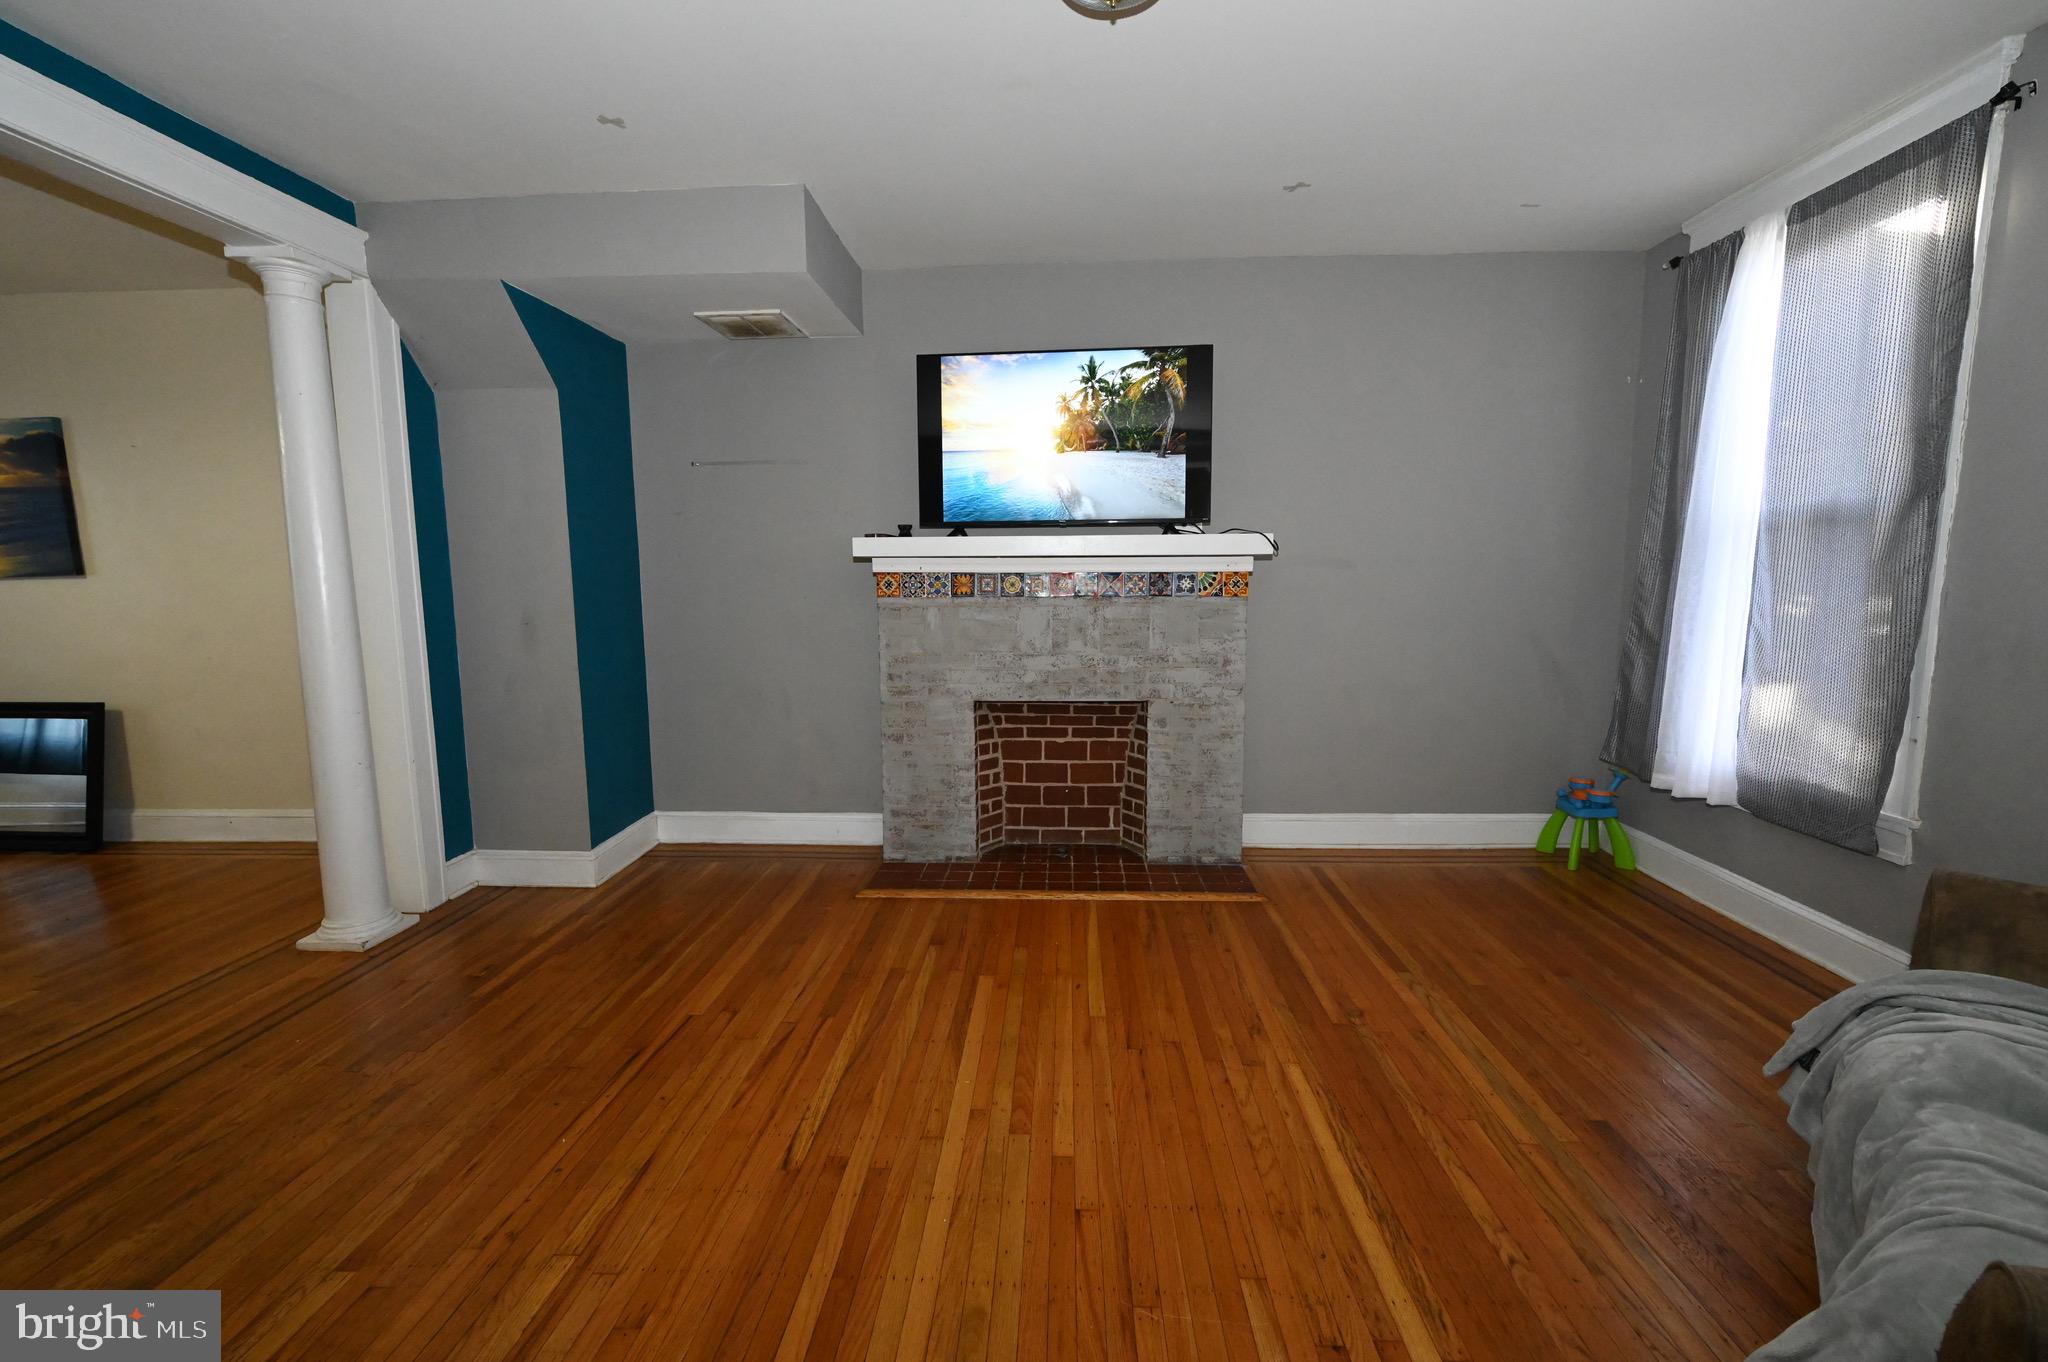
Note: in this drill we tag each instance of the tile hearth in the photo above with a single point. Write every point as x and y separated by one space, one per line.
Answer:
1066 872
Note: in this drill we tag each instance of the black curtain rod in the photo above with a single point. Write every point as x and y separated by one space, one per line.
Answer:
2011 95
2014 93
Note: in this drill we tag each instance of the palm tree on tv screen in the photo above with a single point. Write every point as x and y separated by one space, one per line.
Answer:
1161 372
1106 391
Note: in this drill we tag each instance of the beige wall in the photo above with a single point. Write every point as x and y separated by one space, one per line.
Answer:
183 621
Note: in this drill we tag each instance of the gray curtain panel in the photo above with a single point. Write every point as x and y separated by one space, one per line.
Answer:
1639 690
1877 295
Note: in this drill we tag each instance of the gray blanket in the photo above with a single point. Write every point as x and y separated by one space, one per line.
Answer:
1924 1099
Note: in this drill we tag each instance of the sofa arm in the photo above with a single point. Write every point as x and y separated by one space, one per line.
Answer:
1973 922
2003 1317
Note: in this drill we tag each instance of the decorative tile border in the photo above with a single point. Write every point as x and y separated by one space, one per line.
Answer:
918 586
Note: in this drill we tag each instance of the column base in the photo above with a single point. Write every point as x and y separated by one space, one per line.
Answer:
357 938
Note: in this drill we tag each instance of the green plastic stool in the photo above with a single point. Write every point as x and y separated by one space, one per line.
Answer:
1586 808
1589 830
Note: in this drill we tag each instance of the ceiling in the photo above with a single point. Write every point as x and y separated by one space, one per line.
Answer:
61 239
983 131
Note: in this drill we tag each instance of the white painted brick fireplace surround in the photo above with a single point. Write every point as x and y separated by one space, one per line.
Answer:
1158 621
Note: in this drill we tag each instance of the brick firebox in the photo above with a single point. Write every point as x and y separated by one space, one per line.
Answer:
1060 771
1183 657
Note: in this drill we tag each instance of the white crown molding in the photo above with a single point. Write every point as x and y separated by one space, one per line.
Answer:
47 123
1804 931
1871 138
209 825
774 829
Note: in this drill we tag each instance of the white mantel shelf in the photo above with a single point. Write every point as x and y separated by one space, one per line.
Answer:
1234 552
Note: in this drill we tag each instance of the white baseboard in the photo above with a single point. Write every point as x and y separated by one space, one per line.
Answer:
459 876
554 869
533 869
774 829
1260 829
209 825
1392 830
1791 924
626 846
1800 929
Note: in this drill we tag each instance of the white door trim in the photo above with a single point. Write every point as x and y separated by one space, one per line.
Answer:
84 142
79 139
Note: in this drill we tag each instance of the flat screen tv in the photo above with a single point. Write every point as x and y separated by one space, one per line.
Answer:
53 767
1108 436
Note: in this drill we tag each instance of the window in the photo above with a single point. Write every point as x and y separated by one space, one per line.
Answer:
1812 462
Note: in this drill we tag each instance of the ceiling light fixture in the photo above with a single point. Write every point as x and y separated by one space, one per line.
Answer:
1111 10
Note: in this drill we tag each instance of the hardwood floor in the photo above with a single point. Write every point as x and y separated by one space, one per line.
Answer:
1413 1107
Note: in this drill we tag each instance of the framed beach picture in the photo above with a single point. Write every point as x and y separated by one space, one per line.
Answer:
38 522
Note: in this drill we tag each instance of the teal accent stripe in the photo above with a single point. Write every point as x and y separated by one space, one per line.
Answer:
589 370
437 602
96 84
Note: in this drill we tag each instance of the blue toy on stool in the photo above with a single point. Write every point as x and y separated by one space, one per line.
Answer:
1588 809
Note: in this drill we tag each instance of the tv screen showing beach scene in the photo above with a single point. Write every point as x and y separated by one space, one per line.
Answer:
1065 437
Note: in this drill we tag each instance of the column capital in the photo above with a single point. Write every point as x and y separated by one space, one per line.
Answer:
288 271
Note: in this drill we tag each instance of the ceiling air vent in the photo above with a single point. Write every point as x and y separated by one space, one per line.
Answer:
755 325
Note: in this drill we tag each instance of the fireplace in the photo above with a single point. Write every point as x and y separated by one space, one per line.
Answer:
1045 693
1058 771
1177 660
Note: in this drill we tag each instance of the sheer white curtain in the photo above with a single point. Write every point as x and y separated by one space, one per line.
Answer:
1696 736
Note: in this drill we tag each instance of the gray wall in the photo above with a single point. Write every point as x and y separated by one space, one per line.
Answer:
515 620
1441 444
634 265
1987 741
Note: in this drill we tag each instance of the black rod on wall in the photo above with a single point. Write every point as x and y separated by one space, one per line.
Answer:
2012 95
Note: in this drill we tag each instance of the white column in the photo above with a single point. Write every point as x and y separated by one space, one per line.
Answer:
358 911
